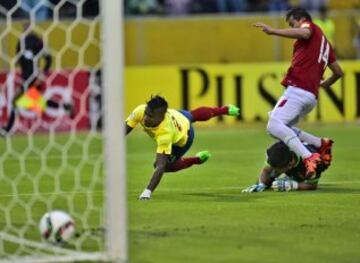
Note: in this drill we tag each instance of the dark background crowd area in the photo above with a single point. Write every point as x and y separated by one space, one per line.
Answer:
186 7
90 8
45 10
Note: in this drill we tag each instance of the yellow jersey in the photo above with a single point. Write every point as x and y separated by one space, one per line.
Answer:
173 130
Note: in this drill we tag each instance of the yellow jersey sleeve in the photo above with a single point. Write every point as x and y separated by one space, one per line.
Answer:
136 116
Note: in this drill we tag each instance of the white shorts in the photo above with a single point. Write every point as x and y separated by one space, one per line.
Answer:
292 105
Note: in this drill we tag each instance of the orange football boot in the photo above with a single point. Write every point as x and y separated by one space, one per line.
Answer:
311 165
325 150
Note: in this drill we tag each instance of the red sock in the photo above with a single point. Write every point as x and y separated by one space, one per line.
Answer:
183 163
206 113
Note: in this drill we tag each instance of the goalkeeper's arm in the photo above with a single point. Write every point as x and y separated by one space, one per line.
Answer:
287 184
265 180
307 186
268 175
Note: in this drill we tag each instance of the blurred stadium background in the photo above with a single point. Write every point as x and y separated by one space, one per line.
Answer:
193 52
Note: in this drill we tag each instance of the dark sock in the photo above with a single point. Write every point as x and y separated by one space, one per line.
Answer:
183 163
206 113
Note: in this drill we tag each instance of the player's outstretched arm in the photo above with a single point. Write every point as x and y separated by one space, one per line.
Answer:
128 129
337 73
297 33
161 161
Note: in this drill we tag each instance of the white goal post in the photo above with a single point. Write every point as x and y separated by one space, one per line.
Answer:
112 12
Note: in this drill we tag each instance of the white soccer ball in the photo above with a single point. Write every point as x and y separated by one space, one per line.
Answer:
57 227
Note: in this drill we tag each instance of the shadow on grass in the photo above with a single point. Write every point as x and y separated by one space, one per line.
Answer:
250 197
337 189
228 197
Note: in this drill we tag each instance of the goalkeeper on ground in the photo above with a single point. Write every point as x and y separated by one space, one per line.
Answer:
281 160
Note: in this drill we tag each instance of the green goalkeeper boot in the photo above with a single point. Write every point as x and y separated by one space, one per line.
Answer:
204 156
233 110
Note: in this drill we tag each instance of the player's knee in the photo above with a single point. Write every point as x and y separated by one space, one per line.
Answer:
168 168
275 128
170 164
272 127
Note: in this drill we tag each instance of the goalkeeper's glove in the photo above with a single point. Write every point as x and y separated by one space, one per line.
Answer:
259 187
284 184
145 195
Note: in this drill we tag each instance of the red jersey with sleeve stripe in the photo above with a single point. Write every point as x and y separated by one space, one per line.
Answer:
310 59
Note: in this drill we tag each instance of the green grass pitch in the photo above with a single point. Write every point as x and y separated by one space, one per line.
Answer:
200 215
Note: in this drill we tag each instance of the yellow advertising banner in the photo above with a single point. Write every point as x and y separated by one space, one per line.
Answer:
254 87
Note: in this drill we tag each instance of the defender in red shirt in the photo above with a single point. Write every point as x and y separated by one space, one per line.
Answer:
311 55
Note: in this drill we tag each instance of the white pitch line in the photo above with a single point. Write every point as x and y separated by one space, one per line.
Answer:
34 244
57 259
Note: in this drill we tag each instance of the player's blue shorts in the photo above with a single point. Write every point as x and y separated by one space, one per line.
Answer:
176 151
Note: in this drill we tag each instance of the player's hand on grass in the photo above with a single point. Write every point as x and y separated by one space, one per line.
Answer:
284 184
278 185
259 187
145 195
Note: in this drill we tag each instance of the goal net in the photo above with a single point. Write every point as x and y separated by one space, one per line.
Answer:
59 120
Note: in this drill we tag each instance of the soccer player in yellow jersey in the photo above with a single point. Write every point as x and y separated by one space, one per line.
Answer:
173 133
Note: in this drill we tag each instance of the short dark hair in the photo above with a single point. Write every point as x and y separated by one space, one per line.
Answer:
279 155
297 13
157 102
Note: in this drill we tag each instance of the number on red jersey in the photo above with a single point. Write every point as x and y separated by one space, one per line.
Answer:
324 52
